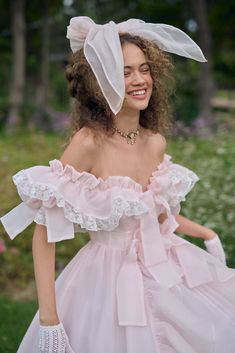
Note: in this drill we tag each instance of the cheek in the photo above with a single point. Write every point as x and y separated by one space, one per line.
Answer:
150 81
127 84
150 84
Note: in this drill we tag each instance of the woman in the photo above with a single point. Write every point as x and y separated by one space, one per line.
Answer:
136 286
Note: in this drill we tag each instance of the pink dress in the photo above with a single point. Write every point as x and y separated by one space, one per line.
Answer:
135 287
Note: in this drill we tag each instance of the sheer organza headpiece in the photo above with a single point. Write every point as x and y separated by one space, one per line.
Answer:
102 49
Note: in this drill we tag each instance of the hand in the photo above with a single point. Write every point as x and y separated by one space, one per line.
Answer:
215 248
53 339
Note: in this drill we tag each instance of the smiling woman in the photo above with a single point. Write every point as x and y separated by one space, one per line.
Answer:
136 286
91 108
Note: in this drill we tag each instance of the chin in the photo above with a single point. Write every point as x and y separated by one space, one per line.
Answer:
139 106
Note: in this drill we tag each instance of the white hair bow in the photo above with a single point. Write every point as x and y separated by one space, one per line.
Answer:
102 49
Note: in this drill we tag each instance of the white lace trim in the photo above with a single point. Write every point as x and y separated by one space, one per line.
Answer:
181 185
46 193
36 190
53 339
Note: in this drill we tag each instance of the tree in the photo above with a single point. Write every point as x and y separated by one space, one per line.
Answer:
18 68
42 87
206 84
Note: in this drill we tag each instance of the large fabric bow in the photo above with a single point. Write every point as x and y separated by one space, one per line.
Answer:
102 49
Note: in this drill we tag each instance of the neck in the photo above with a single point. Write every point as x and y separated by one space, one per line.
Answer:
127 120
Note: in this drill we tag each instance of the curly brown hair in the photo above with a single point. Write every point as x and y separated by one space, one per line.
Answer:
92 110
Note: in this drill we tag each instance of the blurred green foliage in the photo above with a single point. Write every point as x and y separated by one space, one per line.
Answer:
15 318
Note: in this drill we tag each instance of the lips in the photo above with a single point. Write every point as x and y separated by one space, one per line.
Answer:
138 92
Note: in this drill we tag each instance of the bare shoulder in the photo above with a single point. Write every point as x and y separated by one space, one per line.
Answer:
81 151
157 145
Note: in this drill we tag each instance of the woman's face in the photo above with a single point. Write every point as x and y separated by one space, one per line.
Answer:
138 80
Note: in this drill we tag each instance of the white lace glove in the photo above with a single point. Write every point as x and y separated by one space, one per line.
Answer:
215 248
53 339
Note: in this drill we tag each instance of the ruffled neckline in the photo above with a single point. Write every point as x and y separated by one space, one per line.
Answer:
91 181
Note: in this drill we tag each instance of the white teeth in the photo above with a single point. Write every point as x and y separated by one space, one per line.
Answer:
138 93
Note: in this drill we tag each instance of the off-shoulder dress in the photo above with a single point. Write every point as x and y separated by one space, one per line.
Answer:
136 286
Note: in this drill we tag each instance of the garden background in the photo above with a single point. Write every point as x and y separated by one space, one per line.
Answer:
35 117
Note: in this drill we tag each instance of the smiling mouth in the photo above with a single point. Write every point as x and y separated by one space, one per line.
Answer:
138 93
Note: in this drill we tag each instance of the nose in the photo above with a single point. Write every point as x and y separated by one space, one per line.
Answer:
138 78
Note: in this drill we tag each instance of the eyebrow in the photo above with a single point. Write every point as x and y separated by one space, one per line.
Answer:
129 67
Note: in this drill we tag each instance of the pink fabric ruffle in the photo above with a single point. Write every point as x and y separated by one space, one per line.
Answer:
62 196
172 182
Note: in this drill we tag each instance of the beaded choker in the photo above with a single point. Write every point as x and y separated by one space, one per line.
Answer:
129 136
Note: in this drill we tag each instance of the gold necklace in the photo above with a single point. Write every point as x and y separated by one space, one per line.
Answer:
129 136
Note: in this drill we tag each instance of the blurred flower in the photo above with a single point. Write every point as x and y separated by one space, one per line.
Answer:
2 246
13 250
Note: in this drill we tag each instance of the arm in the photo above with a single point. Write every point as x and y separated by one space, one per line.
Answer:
44 269
52 335
193 229
80 154
211 239
190 228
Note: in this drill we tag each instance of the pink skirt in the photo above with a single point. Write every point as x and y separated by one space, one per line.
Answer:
179 319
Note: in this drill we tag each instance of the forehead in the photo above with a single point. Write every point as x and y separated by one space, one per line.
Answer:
132 55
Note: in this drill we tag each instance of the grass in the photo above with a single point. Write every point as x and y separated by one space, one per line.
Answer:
15 318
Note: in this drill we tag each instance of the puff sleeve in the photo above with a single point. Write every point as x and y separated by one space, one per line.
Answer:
171 183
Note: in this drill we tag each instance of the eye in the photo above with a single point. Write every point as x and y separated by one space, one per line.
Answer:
126 73
145 69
